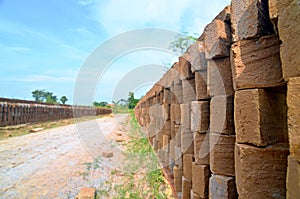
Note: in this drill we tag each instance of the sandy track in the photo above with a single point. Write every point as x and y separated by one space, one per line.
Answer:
48 164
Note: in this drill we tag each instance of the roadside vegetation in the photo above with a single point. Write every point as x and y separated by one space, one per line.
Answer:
141 177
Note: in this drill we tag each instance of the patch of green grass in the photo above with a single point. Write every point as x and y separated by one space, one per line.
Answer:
135 185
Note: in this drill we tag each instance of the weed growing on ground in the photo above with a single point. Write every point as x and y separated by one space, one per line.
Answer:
142 177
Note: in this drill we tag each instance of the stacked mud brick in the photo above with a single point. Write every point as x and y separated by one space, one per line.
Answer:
14 112
285 14
224 119
260 103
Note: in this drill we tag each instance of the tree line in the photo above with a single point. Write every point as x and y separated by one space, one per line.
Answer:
47 97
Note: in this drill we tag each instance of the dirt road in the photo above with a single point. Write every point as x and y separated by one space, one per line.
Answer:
49 164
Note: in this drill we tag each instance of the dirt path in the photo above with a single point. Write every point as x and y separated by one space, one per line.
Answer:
48 164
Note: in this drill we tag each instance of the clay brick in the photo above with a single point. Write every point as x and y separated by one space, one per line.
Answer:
187 166
221 115
219 79
165 111
250 19
166 141
178 136
200 180
189 90
187 141
201 148
261 172
185 110
166 127
178 157
256 63
273 9
178 92
185 69
195 54
222 187
194 195
167 95
186 188
201 85
217 39
260 117
222 154
86 193
200 116
293 99
172 149
293 178
175 113
289 31
177 178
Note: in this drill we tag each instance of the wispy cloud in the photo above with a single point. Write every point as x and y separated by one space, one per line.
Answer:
18 49
44 78
177 15
85 2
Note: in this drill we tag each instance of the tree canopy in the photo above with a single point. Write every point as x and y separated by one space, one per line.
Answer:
47 97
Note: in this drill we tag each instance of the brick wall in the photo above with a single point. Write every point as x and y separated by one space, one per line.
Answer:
225 119
13 112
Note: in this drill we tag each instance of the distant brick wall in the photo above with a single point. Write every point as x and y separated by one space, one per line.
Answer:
221 120
13 112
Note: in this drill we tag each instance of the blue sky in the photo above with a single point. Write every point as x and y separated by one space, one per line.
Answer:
44 44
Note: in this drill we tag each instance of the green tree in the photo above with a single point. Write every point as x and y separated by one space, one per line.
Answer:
38 95
44 96
132 102
181 43
99 104
63 99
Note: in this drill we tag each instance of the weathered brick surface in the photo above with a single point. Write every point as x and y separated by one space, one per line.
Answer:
86 193
200 180
246 95
186 188
175 113
222 187
201 85
200 116
185 69
185 110
16 112
189 90
187 141
293 100
293 178
178 179
221 115
195 54
249 19
201 148
222 154
261 172
260 117
289 32
256 63
178 92
187 166
217 39
219 79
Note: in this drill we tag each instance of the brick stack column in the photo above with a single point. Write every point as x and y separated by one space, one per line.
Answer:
286 14
260 107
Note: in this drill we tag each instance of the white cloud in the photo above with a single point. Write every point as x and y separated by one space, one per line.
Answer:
85 2
117 16
45 79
